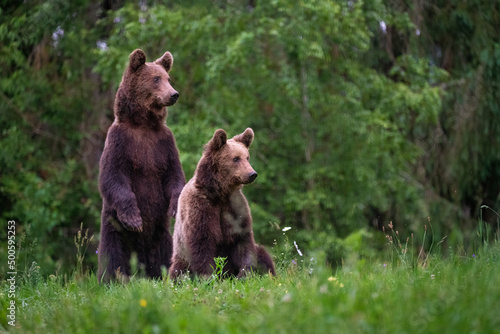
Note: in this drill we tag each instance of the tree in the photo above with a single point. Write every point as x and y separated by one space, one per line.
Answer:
364 113
51 105
333 133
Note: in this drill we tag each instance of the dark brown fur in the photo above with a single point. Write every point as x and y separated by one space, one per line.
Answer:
214 218
140 172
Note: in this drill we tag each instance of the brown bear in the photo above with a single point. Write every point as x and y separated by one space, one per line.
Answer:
140 175
214 219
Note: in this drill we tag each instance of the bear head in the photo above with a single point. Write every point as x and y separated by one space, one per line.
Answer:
146 86
225 164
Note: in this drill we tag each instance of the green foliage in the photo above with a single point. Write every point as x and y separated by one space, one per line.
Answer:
462 148
82 242
44 184
304 90
364 113
218 271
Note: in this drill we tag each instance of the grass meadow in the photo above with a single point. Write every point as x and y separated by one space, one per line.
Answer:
399 292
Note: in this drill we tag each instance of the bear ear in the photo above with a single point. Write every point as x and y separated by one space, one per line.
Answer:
218 140
166 61
246 137
137 59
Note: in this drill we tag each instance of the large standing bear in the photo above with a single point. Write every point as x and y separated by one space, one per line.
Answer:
214 219
141 177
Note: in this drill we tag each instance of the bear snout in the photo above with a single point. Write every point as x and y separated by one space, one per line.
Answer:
252 176
173 98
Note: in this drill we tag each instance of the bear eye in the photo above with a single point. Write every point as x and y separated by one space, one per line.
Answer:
236 159
156 79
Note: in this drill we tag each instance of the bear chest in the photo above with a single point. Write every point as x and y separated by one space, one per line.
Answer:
148 156
235 216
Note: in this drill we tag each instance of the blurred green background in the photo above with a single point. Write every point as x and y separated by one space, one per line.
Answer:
364 113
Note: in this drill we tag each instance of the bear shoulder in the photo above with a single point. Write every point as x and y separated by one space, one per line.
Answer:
192 196
194 201
117 139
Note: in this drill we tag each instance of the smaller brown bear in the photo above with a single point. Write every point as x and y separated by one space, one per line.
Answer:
213 217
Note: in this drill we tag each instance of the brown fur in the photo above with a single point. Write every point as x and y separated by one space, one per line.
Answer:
214 218
140 172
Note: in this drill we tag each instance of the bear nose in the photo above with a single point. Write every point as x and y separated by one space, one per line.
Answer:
174 97
252 176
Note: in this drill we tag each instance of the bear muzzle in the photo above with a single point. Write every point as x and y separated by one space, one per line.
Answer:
173 98
252 176
166 99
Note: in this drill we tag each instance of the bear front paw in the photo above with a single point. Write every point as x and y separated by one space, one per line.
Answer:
132 223
172 210
244 272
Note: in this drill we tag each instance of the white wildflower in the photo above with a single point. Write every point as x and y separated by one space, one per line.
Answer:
297 247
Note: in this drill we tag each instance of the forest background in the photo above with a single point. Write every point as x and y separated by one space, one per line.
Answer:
365 114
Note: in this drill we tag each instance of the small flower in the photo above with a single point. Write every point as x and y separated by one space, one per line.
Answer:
143 302
220 291
96 251
341 285
293 261
474 255
288 228
385 264
433 276
331 279
261 289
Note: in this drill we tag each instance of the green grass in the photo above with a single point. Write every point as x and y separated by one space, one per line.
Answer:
459 294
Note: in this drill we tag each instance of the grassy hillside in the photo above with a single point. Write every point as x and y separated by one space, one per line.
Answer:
459 294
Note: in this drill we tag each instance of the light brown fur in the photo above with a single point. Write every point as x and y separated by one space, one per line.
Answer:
214 218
